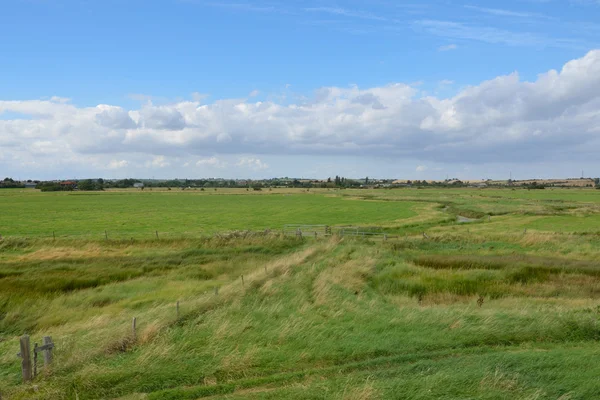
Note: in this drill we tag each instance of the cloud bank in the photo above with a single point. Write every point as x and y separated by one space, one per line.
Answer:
504 119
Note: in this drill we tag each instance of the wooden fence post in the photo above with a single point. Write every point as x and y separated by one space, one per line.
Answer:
265 269
216 290
156 235
105 235
25 358
133 326
242 280
48 352
53 235
35 351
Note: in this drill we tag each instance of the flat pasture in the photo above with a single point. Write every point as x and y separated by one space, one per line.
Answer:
142 213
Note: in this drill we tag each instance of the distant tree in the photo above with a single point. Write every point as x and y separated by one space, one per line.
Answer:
9 183
89 184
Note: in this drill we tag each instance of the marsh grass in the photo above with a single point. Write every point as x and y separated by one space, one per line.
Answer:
341 318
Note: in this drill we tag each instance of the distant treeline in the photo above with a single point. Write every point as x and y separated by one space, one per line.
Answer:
337 182
9 183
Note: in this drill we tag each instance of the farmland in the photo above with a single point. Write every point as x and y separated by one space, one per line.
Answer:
141 214
506 306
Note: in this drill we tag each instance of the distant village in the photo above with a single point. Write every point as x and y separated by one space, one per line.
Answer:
334 182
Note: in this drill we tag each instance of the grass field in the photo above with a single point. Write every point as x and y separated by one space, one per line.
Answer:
137 213
500 308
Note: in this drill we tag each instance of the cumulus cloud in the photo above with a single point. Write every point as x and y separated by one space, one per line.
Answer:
114 118
254 164
211 162
421 168
505 119
161 118
116 164
158 162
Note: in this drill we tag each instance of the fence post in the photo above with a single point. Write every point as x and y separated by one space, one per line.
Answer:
156 235
48 352
35 351
177 309
385 237
133 326
216 290
242 280
265 269
105 235
53 235
26 358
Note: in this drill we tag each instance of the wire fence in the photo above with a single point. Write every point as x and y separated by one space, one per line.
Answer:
300 230
290 230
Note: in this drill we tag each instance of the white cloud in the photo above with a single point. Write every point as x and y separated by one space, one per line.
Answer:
116 164
199 97
448 47
211 162
57 99
421 168
345 13
504 119
488 34
254 93
140 97
158 162
506 13
253 163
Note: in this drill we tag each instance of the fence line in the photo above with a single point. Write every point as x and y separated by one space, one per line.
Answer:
297 230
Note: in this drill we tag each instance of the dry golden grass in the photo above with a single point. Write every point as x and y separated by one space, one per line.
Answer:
350 275
88 250
365 391
500 380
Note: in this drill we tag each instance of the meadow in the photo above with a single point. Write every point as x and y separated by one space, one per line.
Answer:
181 213
503 307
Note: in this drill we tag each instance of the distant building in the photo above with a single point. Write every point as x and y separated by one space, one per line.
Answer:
72 184
30 185
138 185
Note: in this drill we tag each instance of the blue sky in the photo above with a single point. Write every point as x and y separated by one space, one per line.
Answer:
65 62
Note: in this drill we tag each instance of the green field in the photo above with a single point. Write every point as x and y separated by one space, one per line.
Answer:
141 214
504 307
